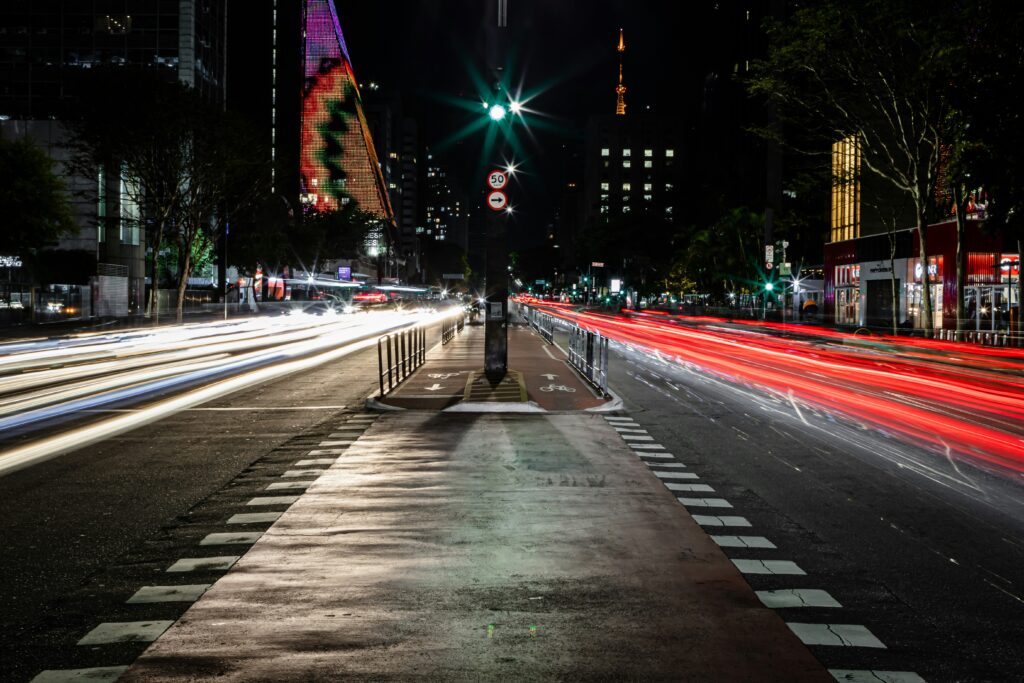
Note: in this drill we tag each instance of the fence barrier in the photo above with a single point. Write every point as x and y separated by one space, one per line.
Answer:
452 326
588 353
405 351
543 323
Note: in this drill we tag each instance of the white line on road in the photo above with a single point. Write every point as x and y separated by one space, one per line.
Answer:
276 486
236 538
796 597
776 567
125 632
843 635
743 542
303 473
315 461
675 475
650 446
96 674
716 520
273 500
652 465
705 502
254 517
689 488
873 676
188 593
199 564
636 437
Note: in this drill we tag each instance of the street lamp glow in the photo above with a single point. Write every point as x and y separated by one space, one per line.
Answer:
769 286
511 169
516 106
508 209
496 112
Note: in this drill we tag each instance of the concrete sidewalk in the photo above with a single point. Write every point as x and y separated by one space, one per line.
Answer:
539 378
469 547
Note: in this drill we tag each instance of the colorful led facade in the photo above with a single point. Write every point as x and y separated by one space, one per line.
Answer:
338 164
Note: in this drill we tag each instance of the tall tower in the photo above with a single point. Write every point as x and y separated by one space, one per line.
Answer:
620 89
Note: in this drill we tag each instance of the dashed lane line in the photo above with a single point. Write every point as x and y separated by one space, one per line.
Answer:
187 593
796 597
285 485
96 674
674 475
715 520
743 542
872 676
125 632
229 538
705 502
774 567
315 461
837 635
202 564
254 517
302 473
688 488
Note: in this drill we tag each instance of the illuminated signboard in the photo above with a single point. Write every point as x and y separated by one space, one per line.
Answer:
345 273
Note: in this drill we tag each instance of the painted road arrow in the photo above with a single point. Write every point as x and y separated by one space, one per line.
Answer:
434 388
549 377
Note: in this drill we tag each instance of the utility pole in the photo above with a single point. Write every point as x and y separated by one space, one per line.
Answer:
496 295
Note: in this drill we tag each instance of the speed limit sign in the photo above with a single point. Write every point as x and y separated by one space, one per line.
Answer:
497 200
497 180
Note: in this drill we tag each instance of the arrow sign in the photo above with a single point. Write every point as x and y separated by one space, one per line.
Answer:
434 388
549 377
497 200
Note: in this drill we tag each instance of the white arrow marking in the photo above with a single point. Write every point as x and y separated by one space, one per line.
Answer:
434 388
549 377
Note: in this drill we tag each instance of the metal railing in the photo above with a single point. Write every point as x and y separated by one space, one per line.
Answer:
588 353
405 351
543 323
452 326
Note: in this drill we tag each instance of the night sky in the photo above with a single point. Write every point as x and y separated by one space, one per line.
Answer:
425 51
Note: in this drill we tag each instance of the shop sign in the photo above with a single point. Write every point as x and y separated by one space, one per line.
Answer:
933 270
10 261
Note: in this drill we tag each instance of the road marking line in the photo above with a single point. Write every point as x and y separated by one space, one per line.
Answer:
660 456
289 485
549 353
329 444
346 433
689 488
777 567
97 674
315 461
715 520
328 451
652 465
254 517
616 418
651 446
125 632
842 635
675 475
636 437
198 564
188 593
630 429
303 473
273 500
743 542
705 502
796 597
872 676
236 538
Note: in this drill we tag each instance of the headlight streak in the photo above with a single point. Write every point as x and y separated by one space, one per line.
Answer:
334 341
969 409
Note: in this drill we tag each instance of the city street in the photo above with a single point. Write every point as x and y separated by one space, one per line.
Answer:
923 546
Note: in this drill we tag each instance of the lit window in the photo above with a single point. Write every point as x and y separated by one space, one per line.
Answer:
647 187
604 198
846 159
604 208
625 209
626 187
101 206
670 152
604 151
128 195
625 198
627 152
648 152
668 187
647 197
668 210
626 164
604 186
648 163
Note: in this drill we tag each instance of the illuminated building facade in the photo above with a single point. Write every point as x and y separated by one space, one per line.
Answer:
337 162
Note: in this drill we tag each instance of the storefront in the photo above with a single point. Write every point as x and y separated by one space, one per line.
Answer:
860 276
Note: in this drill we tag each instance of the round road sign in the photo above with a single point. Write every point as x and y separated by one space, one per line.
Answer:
496 179
497 200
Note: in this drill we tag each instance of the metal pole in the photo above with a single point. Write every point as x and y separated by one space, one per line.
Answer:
391 384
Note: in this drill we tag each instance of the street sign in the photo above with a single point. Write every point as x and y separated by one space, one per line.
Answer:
785 269
768 265
497 180
497 200
616 285
769 253
597 264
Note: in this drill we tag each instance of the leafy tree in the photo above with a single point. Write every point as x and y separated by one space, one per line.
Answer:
144 134
878 70
34 203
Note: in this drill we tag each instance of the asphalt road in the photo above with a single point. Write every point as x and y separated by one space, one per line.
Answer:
67 522
926 552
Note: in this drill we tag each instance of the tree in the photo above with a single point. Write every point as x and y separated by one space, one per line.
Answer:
34 203
879 71
143 135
